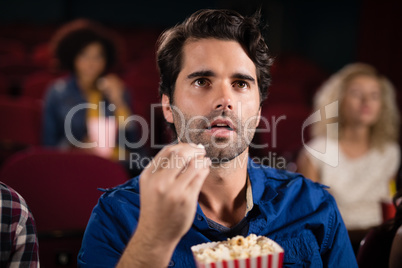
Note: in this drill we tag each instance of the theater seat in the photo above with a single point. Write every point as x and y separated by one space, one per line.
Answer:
61 188
375 248
4 85
395 257
20 120
36 84
283 130
20 123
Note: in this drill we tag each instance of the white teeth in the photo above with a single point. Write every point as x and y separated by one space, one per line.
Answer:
221 125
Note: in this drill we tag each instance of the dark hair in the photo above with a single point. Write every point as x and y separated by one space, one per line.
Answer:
73 37
219 24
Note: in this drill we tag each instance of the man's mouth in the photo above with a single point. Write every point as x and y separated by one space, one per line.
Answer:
221 124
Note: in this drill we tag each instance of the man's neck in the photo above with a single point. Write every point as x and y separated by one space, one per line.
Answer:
223 195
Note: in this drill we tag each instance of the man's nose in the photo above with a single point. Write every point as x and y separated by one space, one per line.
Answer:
224 98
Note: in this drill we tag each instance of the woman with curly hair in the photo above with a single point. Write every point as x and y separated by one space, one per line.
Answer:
367 152
89 109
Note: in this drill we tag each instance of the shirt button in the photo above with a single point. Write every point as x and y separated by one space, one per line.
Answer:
199 217
171 263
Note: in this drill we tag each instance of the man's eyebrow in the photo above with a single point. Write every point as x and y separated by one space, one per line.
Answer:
209 73
244 77
201 74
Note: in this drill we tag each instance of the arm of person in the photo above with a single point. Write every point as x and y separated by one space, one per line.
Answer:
169 189
169 194
26 243
306 167
144 250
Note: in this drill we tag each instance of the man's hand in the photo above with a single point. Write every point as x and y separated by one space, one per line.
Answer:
169 189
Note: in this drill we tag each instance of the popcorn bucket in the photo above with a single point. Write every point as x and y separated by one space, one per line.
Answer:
271 260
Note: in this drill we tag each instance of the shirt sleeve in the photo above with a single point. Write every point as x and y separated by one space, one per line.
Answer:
20 232
337 248
26 242
109 230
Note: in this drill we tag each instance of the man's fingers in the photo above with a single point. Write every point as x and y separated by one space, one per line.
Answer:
173 159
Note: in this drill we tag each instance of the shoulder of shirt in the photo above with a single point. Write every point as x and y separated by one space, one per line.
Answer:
15 195
125 190
273 173
284 179
391 147
17 200
61 85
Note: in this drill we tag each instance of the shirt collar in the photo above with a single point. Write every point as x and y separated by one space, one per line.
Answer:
249 195
262 192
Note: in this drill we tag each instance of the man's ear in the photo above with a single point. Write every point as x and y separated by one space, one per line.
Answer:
167 110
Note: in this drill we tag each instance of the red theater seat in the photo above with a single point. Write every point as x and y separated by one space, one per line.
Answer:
36 84
20 121
20 125
11 51
61 189
4 85
284 122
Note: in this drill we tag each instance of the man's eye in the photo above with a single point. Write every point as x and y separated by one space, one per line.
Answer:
242 84
201 82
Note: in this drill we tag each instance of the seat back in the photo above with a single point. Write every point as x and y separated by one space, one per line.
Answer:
36 84
4 85
375 248
20 121
61 188
283 130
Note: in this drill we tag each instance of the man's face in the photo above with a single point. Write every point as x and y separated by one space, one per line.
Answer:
216 98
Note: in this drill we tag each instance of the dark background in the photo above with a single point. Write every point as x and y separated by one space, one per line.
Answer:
330 33
325 31
309 39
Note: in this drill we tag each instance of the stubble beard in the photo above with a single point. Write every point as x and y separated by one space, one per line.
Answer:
218 149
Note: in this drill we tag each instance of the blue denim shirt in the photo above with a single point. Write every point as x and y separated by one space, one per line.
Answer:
297 213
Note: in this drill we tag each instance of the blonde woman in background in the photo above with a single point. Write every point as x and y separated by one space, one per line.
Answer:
369 154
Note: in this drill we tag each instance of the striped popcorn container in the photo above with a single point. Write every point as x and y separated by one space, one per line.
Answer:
272 260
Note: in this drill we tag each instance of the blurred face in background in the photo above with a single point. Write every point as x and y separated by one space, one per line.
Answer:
362 101
90 63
